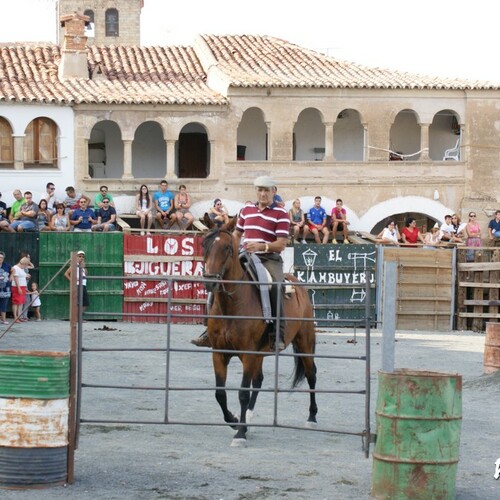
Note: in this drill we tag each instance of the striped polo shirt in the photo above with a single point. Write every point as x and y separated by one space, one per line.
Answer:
263 226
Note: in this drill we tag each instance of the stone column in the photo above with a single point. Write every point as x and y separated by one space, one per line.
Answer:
19 152
85 160
212 163
268 139
424 142
127 159
329 153
170 166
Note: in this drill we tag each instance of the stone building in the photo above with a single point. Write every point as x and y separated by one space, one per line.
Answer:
216 114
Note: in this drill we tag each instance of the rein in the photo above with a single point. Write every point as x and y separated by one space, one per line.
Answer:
219 277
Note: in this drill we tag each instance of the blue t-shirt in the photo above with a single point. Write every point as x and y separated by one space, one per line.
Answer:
316 215
86 214
494 225
105 215
164 199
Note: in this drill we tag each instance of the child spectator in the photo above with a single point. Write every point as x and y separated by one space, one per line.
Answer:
34 300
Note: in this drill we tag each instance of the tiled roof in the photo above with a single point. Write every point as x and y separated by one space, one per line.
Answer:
122 75
174 75
263 61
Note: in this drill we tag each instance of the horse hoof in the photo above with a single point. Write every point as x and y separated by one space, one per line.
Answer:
311 425
238 443
249 416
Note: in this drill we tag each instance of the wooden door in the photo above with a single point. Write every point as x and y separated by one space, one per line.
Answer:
193 155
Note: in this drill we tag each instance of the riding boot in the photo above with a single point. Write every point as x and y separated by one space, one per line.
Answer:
202 340
273 335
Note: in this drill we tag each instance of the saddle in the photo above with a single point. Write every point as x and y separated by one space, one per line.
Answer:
263 280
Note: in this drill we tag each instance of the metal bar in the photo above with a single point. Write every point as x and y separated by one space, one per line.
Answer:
167 363
389 316
367 369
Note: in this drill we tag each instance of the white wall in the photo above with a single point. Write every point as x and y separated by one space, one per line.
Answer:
35 180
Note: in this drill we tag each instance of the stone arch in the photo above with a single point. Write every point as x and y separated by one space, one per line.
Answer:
309 136
193 152
444 133
348 136
405 134
105 150
251 138
149 154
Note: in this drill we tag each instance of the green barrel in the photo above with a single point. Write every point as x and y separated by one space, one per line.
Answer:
419 418
34 418
30 374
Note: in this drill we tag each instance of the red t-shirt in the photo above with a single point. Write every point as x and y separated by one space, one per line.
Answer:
263 226
411 236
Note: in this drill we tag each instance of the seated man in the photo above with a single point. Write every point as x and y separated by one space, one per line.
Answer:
16 205
106 217
494 226
339 221
72 200
25 218
83 217
164 204
50 197
316 220
99 198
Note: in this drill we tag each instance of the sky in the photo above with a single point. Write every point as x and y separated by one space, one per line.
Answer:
457 39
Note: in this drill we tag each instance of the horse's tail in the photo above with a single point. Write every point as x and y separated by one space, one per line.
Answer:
299 371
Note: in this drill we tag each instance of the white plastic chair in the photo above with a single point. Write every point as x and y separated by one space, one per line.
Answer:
453 153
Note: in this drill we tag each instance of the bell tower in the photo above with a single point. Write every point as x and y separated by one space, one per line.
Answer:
112 22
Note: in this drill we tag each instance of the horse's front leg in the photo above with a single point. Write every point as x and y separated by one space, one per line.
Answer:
256 385
250 369
220 362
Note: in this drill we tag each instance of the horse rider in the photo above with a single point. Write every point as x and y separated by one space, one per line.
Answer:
263 229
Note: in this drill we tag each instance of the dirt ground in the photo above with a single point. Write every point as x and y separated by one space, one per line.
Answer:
186 461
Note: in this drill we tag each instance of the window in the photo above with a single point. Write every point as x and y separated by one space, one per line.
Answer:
6 144
40 143
90 29
112 22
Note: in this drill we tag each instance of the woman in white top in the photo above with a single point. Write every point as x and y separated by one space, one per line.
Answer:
390 234
143 206
19 278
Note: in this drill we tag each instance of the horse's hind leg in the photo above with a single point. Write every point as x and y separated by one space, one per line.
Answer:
310 373
220 362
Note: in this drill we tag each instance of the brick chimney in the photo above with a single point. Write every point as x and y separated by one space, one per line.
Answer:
74 47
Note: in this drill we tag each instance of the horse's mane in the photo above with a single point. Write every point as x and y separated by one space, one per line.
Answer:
210 237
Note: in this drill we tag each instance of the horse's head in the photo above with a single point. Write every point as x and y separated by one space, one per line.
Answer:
218 252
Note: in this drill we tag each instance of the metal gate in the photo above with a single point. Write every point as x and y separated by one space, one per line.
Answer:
169 388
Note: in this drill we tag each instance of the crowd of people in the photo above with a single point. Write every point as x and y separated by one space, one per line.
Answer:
75 212
14 287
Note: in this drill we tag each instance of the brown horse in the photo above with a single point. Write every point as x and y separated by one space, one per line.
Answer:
222 264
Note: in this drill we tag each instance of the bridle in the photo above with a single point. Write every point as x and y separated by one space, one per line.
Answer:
218 284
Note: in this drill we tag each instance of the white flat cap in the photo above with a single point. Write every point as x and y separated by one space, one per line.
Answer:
264 181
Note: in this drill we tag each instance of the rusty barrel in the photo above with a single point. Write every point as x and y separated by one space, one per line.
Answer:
419 418
491 361
34 408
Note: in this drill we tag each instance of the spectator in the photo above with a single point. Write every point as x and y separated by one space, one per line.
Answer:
50 197
99 198
4 221
60 220
316 220
458 229
298 222
3 208
144 207
432 238
14 209
43 217
106 217
447 232
26 217
72 200
218 213
83 217
18 278
80 266
5 289
34 300
182 204
164 204
277 199
473 232
339 221
390 234
410 233
494 226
